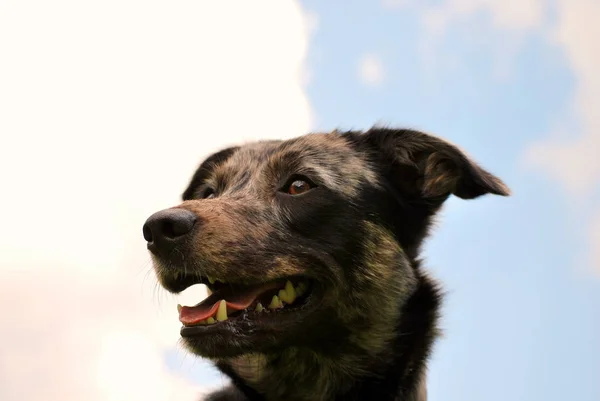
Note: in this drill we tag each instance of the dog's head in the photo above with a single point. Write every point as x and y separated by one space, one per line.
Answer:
308 242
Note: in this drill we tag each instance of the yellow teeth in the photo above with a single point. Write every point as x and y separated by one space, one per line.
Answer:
275 303
222 311
204 322
288 294
289 288
282 295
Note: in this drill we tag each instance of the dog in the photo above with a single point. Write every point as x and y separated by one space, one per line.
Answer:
310 249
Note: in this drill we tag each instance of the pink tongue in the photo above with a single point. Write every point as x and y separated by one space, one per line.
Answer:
236 299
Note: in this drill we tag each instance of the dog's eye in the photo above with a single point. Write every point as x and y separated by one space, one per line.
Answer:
208 193
299 187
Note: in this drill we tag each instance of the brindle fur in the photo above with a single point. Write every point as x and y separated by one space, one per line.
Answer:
358 234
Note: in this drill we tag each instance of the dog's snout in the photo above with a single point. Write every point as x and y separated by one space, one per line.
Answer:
165 229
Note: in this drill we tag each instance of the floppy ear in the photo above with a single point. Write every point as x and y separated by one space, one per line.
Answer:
428 167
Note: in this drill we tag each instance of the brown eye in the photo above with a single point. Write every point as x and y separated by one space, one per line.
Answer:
208 194
298 187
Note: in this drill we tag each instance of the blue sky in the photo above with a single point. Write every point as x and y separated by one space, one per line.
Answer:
521 317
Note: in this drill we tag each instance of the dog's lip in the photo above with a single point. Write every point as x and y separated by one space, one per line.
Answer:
249 321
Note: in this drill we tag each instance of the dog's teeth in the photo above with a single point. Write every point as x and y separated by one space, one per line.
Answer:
288 294
222 311
275 303
211 279
208 291
291 292
283 296
202 322
210 320
179 307
259 307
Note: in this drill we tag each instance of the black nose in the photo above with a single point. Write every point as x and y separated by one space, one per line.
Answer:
167 228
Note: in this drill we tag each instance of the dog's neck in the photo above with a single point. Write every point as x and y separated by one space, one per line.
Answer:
272 377
256 372
396 374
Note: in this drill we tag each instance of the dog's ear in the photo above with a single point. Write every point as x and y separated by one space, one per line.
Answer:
427 167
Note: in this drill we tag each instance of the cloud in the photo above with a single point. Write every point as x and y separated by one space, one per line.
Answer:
79 336
396 3
510 14
570 155
370 70
514 18
106 109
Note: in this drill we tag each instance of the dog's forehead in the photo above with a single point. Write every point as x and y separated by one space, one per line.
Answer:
328 155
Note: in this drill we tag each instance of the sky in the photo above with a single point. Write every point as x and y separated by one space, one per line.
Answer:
107 107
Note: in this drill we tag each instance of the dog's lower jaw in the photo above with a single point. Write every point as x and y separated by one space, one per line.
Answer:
395 374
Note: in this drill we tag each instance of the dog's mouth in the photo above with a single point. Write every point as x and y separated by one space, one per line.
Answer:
229 302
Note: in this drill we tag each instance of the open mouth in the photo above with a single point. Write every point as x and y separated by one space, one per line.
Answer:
228 302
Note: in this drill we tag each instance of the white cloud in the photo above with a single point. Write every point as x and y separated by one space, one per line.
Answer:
508 14
572 157
105 110
511 17
370 70
571 154
396 3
